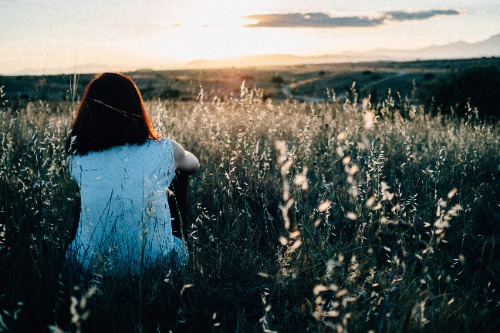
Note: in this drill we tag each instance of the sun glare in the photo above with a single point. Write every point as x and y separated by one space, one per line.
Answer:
215 32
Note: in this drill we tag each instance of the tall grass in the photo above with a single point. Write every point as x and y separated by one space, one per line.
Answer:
305 217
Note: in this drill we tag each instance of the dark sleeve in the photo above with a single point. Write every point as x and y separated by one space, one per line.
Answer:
177 202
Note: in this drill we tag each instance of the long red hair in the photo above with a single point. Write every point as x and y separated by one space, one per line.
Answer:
111 113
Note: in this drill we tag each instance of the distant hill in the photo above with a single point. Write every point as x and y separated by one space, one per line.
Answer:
458 50
249 61
303 82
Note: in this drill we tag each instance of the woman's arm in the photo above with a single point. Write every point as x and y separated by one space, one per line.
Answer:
184 160
185 164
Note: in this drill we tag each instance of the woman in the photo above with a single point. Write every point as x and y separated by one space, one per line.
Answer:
123 170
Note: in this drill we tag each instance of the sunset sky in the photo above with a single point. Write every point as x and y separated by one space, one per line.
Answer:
61 35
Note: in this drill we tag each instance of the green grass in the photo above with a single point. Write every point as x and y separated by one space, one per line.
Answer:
320 218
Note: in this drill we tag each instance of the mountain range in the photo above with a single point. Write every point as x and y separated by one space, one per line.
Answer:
458 50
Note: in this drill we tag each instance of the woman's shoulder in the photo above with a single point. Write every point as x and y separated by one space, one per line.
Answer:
161 147
146 151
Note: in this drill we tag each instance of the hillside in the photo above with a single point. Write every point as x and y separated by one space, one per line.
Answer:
301 82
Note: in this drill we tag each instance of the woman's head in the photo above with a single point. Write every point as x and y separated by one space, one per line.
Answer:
110 114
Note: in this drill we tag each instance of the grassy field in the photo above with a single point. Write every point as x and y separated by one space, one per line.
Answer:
325 217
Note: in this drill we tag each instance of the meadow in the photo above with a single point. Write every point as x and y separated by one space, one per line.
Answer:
339 216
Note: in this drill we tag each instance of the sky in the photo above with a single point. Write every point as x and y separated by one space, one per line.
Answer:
43 36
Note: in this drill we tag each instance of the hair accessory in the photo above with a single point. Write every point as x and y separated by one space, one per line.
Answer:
122 112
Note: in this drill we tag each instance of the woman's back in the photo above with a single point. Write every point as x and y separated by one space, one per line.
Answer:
125 221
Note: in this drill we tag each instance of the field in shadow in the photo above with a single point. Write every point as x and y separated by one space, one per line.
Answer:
334 216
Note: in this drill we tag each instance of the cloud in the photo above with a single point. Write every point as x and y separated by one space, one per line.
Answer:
422 15
322 20
310 20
